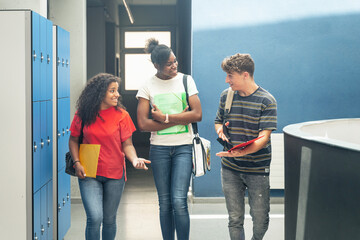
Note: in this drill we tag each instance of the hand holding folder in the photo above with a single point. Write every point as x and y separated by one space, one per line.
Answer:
89 157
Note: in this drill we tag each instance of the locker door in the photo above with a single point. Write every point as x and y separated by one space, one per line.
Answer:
50 224
64 203
49 59
36 146
60 138
36 215
43 139
43 61
59 62
64 142
61 219
66 114
67 54
36 56
43 212
49 144
58 73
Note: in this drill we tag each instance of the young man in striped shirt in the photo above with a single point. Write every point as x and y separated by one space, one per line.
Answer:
253 113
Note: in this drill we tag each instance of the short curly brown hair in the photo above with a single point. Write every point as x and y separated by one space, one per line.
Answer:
239 63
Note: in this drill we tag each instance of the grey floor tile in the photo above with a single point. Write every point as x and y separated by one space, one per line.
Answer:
138 218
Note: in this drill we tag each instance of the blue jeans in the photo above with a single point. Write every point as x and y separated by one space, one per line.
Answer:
234 185
172 167
101 198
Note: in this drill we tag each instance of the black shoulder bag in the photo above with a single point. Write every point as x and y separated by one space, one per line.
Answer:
69 169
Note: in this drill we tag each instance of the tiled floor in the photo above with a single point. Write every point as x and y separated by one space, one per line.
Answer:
137 217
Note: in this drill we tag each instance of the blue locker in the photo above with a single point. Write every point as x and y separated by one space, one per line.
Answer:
36 215
43 148
60 137
67 71
36 56
64 203
43 212
63 126
36 146
66 113
49 60
43 62
49 145
58 61
50 224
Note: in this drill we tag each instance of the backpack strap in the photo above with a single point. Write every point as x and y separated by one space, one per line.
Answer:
229 100
194 124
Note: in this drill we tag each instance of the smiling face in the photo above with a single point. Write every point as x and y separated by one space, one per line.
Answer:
169 70
112 96
236 80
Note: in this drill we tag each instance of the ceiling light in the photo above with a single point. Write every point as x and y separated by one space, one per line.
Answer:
128 12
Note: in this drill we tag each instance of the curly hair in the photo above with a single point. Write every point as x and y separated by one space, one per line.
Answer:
89 103
239 63
160 53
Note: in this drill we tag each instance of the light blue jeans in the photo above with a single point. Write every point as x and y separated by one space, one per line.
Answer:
101 198
234 185
172 167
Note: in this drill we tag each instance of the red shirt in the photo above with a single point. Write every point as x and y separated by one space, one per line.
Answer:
114 128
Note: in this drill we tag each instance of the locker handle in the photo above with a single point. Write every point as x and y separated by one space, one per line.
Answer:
68 197
63 132
67 62
64 202
59 207
42 57
58 61
48 58
63 62
48 141
42 229
34 55
36 238
59 134
35 146
49 223
42 143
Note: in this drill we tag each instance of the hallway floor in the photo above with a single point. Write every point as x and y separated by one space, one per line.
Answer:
138 219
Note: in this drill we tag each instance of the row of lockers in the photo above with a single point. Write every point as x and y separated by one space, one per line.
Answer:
38 200
63 133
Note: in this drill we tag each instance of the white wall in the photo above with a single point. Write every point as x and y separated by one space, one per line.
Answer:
71 15
39 6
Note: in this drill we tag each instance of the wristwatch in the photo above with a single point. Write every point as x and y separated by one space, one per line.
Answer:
166 118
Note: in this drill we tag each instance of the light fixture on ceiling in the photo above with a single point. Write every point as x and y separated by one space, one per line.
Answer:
128 12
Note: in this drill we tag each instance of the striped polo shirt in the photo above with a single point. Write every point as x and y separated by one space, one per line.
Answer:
248 116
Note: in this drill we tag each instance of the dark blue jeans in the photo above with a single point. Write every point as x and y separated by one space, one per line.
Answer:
234 185
101 198
172 166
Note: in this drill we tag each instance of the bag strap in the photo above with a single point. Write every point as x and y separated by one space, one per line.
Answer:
194 124
81 137
229 100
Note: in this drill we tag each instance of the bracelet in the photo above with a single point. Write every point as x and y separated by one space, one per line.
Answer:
75 162
166 118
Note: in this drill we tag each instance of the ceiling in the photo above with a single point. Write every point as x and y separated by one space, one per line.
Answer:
94 3
149 2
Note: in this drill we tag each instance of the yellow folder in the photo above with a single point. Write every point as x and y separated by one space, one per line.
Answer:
89 156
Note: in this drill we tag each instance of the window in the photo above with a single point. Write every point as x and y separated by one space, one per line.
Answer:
137 64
